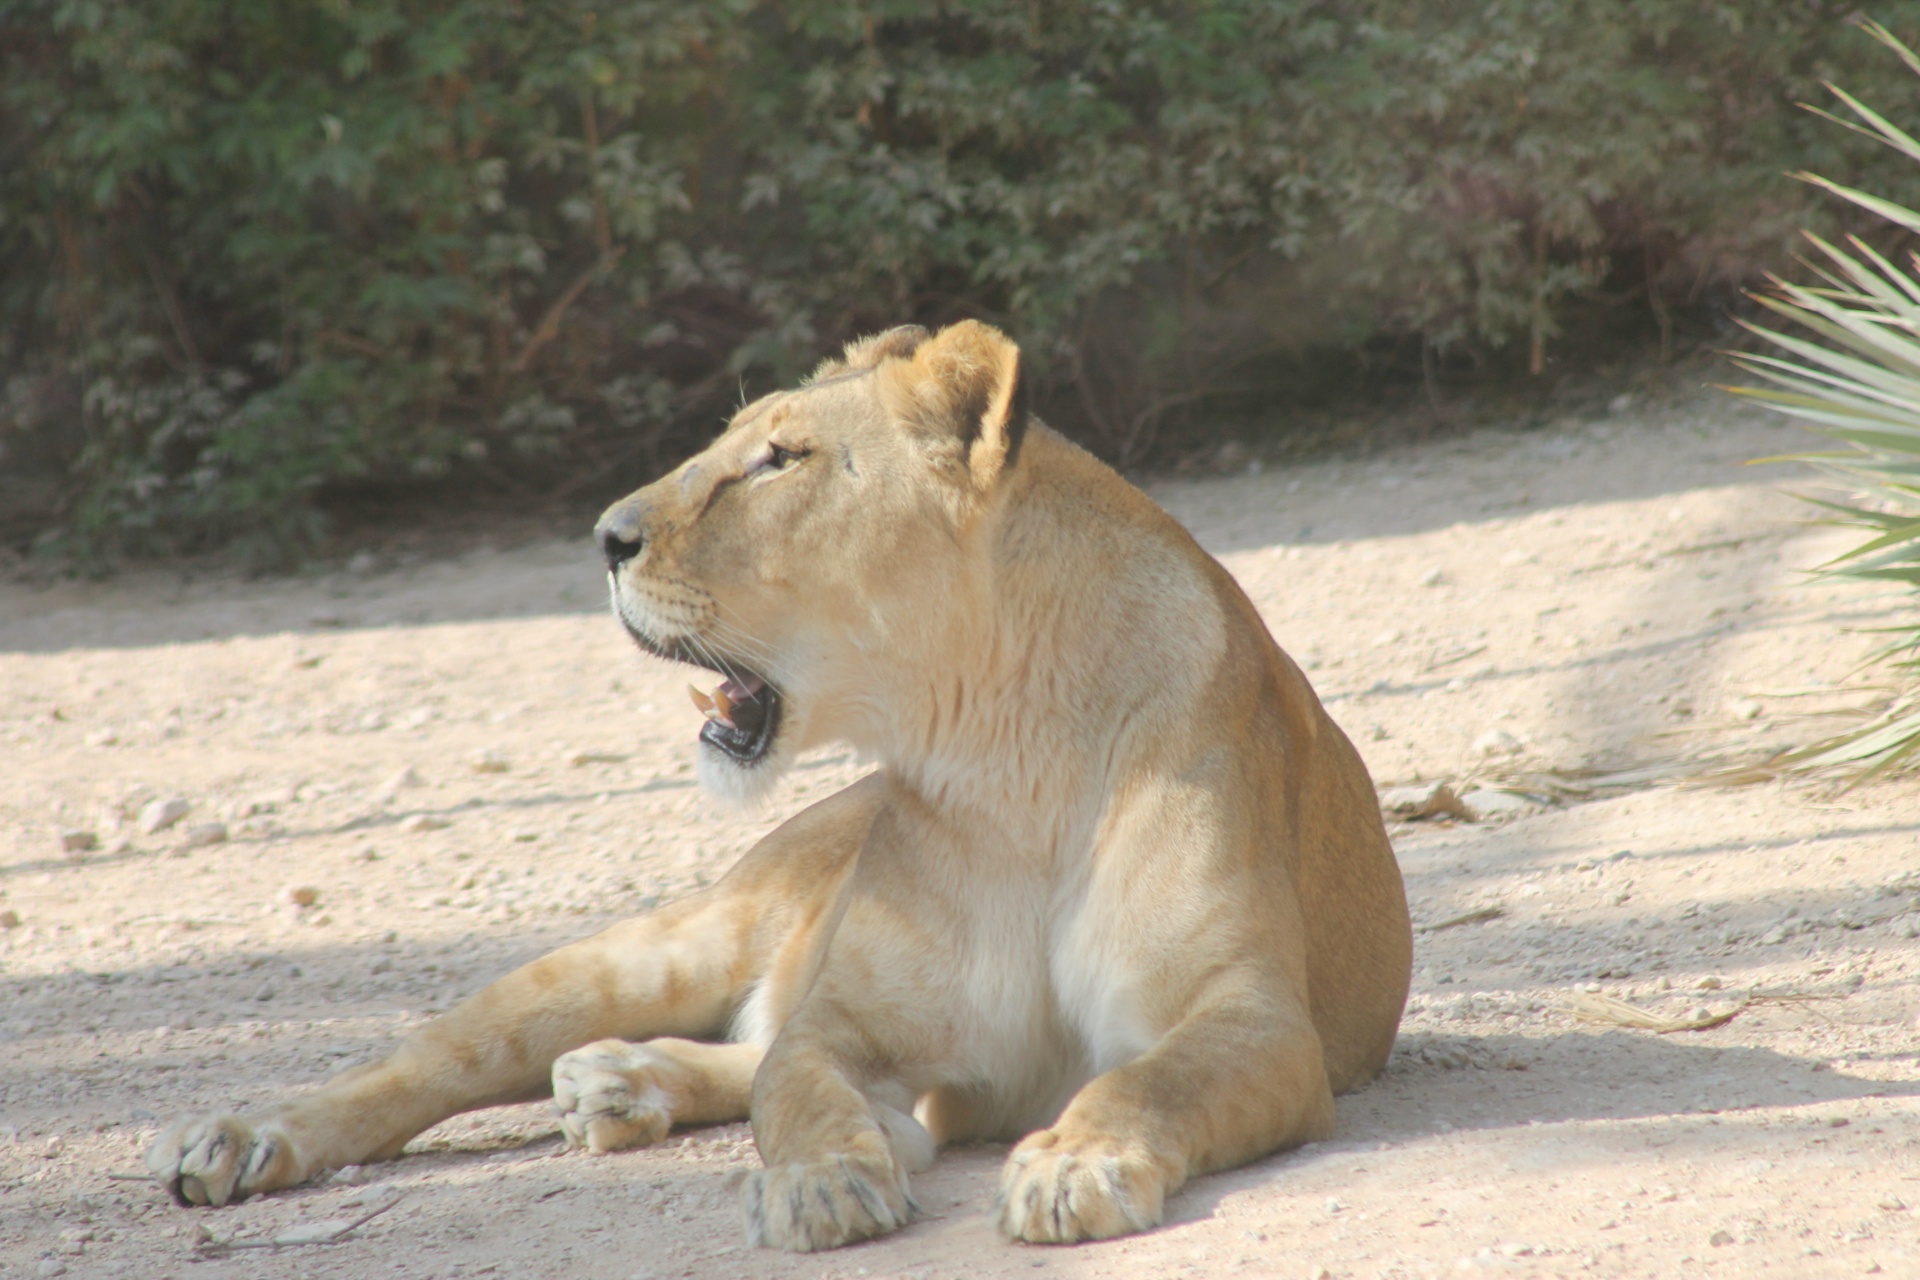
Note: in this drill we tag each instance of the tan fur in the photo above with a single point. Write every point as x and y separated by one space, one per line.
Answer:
1119 888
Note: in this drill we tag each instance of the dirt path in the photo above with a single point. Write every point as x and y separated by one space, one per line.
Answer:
1597 599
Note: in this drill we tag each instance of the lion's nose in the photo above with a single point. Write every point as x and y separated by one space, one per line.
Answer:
621 534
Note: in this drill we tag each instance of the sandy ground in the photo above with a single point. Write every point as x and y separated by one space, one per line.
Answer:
1569 612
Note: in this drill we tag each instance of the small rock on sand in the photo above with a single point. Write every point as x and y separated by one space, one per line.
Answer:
77 841
1486 805
579 758
202 834
161 814
1496 742
1423 800
420 822
487 762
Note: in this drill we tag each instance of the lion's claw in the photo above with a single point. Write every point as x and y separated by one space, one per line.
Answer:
219 1160
1057 1191
824 1203
611 1096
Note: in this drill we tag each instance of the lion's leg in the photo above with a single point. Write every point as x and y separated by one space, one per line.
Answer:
680 971
1236 1079
675 971
835 1169
832 1102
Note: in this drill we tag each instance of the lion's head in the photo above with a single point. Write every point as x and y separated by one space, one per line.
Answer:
826 527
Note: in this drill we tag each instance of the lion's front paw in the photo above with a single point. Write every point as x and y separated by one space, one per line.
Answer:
612 1095
216 1160
825 1203
1056 1189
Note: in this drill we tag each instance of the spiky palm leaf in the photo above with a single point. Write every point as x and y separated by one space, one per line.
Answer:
1861 386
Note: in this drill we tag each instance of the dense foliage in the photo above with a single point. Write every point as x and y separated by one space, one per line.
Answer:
250 249
1855 378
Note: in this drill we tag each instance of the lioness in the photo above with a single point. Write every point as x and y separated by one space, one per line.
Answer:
1119 889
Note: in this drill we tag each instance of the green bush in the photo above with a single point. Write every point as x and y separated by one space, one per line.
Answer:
1860 386
252 250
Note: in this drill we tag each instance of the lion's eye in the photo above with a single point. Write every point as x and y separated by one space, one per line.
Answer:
783 457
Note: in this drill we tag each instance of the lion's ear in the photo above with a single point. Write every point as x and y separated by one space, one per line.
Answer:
963 385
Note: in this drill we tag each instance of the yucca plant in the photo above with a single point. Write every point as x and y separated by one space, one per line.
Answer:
1860 386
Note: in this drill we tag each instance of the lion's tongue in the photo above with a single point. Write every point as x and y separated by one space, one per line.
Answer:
720 705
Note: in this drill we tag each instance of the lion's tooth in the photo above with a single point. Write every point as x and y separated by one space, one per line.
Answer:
701 701
725 703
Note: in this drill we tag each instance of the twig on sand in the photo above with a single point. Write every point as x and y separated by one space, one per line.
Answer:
1610 1012
1607 1011
1475 916
331 1231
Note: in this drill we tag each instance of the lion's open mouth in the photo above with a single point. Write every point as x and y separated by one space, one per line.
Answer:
743 716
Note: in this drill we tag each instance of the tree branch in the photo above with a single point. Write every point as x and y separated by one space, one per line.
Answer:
550 323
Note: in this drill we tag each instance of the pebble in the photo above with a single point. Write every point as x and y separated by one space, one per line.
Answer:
202 834
300 895
77 841
370 1195
9 919
52 1267
1422 800
1720 1238
579 758
1433 577
265 992
1746 709
1486 805
161 814
407 777
487 762
420 822
1496 742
